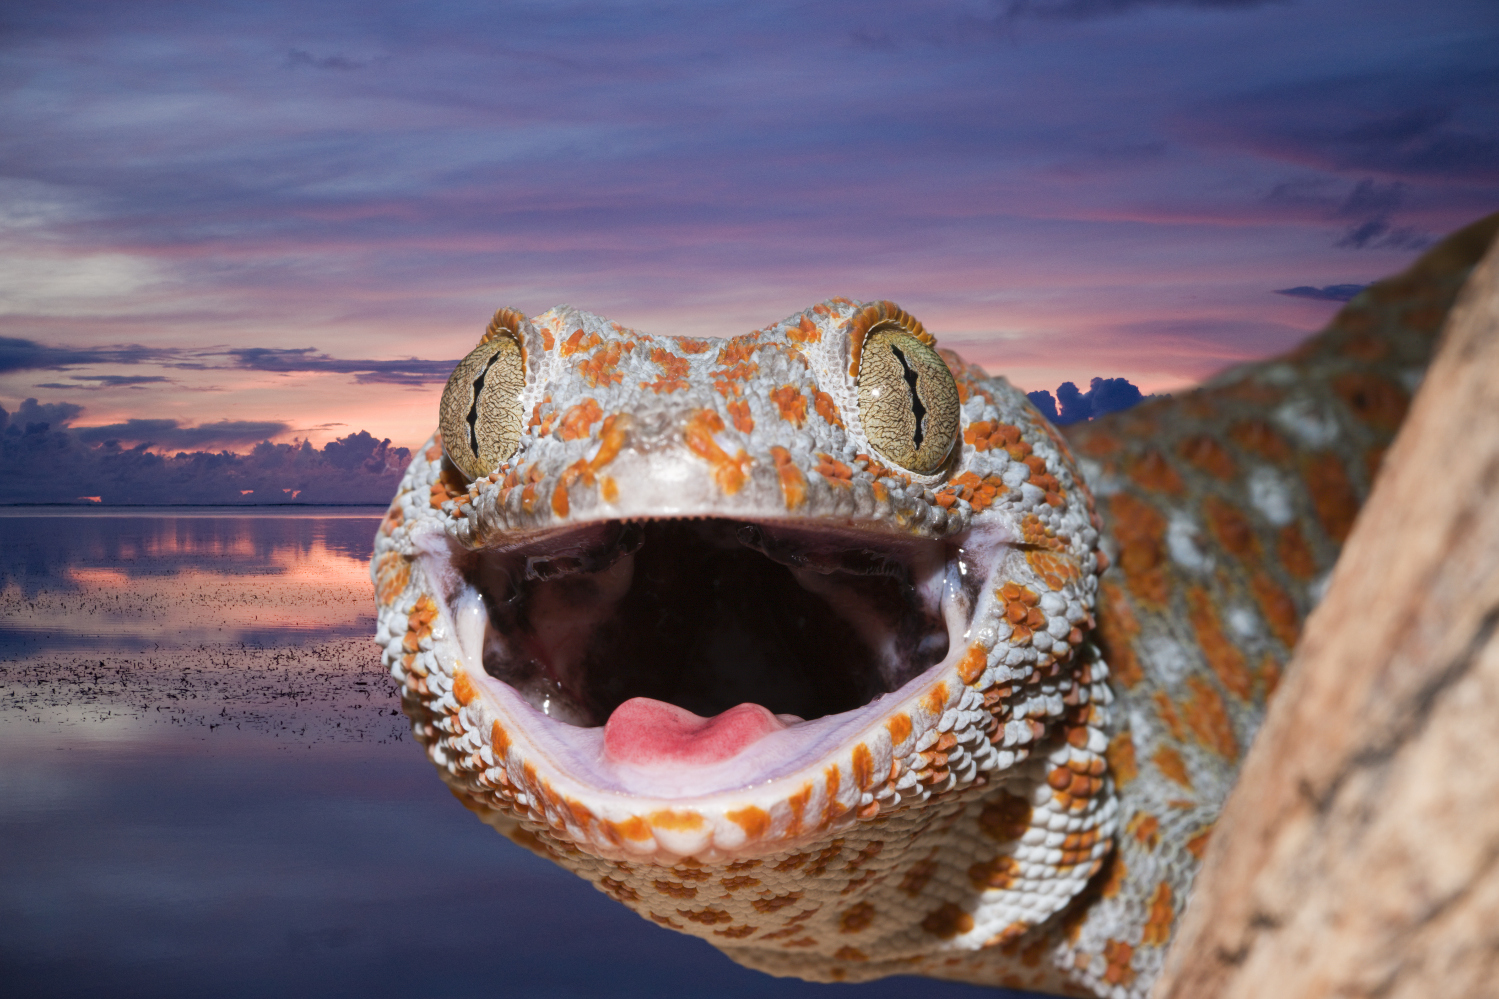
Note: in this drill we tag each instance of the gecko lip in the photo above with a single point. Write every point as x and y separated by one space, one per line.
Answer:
710 615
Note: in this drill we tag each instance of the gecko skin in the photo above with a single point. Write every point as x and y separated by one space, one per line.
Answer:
698 638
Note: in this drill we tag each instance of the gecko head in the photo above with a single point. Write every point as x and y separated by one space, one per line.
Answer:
662 598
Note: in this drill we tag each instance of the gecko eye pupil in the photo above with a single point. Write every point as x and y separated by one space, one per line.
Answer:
908 401
481 416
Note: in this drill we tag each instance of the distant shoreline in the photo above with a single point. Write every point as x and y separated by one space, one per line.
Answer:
192 510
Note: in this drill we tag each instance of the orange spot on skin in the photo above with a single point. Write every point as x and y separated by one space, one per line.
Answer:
791 404
1231 528
528 492
1223 656
611 439
917 877
728 474
608 489
1278 607
559 497
1206 453
738 350
935 700
1113 879
947 922
674 889
578 420
899 727
832 781
1162 916
1121 758
576 342
463 687
1118 955
1141 532
499 739
856 918
826 408
673 820
798 804
736 932
1117 628
1167 712
793 483
392 573
1206 716
971 666
602 366
1257 437
394 517
419 623
1198 844
755 821
691 345
1295 554
435 451
1006 817
1154 473
1269 675
1145 828
548 341
863 767
740 416
736 883
673 372
442 491
805 331
776 903
1170 763
1332 494
834 471
1000 872
979 492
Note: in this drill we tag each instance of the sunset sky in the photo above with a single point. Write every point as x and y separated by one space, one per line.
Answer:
289 219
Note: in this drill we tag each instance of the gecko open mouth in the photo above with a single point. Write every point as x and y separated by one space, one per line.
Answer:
690 638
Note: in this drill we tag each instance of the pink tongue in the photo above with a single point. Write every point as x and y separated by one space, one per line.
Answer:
643 731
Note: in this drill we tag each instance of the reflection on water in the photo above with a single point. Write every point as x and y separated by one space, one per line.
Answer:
135 581
206 789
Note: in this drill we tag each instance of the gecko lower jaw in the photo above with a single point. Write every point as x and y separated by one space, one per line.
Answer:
707 614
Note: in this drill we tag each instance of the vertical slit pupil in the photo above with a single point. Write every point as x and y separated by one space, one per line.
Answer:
473 409
916 407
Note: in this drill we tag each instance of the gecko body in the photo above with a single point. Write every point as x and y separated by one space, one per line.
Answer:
824 646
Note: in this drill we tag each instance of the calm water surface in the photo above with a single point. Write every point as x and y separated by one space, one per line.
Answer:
206 789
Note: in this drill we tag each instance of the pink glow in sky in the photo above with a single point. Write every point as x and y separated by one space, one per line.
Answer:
1058 189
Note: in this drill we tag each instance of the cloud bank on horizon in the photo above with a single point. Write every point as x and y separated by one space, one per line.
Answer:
194 196
43 460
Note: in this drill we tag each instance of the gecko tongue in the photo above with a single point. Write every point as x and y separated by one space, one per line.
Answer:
647 732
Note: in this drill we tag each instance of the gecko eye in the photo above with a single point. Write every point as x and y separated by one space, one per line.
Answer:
481 415
908 400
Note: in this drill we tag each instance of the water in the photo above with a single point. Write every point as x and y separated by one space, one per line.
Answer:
206 788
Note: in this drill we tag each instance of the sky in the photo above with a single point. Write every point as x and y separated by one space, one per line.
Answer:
222 223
